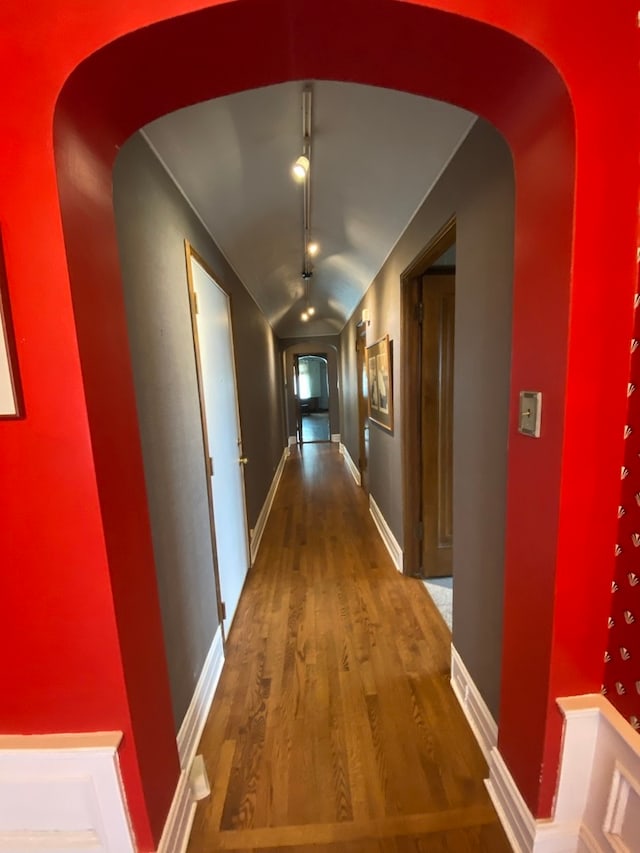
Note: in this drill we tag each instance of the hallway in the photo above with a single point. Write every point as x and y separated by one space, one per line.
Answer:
334 727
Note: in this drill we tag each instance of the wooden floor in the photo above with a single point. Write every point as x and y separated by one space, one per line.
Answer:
334 727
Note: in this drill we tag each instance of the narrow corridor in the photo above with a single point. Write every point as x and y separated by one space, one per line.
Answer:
334 727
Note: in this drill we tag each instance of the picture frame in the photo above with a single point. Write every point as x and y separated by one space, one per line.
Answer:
11 405
380 379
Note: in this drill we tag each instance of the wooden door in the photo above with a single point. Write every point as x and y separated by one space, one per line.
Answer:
363 406
213 338
438 327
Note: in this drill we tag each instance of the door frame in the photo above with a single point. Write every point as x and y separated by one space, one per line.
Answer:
363 407
410 381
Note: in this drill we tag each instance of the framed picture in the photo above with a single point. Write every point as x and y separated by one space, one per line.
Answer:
10 396
379 373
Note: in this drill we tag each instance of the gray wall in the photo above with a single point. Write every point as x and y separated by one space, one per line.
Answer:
478 187
152 220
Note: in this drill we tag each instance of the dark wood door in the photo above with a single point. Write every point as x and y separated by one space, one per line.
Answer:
438 299
363 406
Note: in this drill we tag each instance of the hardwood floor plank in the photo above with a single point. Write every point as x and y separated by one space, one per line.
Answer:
334 727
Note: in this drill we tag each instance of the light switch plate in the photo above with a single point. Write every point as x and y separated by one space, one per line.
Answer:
530 413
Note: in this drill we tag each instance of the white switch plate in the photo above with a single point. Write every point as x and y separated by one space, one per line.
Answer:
530 413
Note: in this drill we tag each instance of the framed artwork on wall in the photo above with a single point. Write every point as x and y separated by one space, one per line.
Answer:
10 394
379 372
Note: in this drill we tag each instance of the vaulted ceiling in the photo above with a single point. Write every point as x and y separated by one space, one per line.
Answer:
376 154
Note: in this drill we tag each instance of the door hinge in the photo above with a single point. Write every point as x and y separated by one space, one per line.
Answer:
194 299
223 610
210 466
418 312
420 531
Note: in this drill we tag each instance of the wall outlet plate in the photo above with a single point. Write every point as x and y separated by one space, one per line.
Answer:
530 413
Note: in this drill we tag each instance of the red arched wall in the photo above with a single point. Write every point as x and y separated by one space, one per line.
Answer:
81 584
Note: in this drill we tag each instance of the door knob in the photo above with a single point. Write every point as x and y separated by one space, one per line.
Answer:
243 460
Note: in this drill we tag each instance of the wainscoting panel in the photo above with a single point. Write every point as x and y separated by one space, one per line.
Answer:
62 792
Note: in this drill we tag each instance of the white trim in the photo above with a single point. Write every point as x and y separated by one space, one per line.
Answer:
335 437
175 836
177 828
292 441
261 522
351 465
394 549
515 817
63 792
475 708
198 710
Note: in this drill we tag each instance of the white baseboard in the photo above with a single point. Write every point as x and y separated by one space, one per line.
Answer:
335 437
351 465
177 828
515 817
292 441
198 710
62 792
261 523
394 549
475 708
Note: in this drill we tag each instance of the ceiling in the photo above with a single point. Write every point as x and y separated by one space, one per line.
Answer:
376 153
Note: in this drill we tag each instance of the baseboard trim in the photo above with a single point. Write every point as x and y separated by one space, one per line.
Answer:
62 792
335 437
292 441
200 705
351 465
473 705
394 549
263 517
515 817
177 829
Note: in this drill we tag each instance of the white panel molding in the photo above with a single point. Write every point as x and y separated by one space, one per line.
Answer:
475 708
602 746
597 804
392 545
335 437
263 517
198 710
62 792
351 465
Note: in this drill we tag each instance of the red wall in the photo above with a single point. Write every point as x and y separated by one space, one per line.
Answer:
79 592
622 659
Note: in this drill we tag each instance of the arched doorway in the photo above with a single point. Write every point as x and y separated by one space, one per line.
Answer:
461 61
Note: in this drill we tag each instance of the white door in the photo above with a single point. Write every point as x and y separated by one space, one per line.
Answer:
218 387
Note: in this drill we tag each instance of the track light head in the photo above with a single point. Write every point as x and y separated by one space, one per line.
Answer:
300 168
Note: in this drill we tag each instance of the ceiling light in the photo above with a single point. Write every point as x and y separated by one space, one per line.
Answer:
313 248
304 316
310 311
300 168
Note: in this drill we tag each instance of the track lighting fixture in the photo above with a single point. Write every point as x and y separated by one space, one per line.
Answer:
302 173
300 168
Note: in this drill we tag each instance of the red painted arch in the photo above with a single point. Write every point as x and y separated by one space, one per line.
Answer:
576 186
